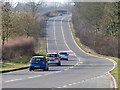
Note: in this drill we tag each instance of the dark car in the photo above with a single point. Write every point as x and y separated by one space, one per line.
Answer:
38 62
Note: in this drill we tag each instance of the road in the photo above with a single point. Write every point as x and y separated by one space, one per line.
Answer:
81 71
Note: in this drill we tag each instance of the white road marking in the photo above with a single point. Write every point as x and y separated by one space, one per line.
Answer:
47 44
59 87
81 62
71 67
58 71
13 80
55 35
64 86
69 84
22 78
35 76
65 69
72 54
74 83
78 82
68 51
46 74
64 36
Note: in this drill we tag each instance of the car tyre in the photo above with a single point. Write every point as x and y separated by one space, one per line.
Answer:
46 69
30 69
59 64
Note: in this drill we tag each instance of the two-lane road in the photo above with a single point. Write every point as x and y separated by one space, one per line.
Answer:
81 71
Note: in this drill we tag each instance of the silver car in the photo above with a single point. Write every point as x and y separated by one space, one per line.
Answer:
63 55
53 58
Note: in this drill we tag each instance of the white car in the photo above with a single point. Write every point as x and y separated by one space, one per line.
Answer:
53 58
63 55
60 14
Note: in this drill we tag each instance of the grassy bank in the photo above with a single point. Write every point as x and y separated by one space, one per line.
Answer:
12 64
41 49
114 72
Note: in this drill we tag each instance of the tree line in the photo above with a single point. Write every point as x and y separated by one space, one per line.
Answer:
17 23
24 24
97 25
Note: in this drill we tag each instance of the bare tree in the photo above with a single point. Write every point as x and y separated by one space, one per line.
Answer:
0 31
33 6
6 21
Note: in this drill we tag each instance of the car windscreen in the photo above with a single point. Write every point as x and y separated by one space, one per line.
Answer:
37 59
52 55
63 53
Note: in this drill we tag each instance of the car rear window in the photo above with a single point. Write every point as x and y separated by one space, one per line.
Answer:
52 55
62 53
37 59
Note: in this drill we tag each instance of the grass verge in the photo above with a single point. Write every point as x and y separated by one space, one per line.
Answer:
13 64
41 49
114 72
18 63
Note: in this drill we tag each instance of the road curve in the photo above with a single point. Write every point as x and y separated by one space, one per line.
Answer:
81 71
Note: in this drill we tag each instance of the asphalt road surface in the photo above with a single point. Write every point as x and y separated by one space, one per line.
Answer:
81 71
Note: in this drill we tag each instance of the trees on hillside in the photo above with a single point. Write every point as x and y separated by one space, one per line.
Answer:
97 25
102 16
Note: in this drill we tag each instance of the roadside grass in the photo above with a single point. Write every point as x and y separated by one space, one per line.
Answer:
18 63
41 49
11 65
114 72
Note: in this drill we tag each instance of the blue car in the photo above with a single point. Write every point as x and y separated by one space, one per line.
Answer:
38 62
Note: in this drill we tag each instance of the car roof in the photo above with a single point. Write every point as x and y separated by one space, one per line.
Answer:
38 56
62 52
52 53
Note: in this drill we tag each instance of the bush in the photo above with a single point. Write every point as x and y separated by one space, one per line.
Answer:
19 47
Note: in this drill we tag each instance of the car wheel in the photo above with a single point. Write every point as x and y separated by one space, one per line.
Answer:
59 64
46 69
30 69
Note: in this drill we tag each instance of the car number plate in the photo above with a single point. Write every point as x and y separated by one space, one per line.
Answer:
51 60
37 66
